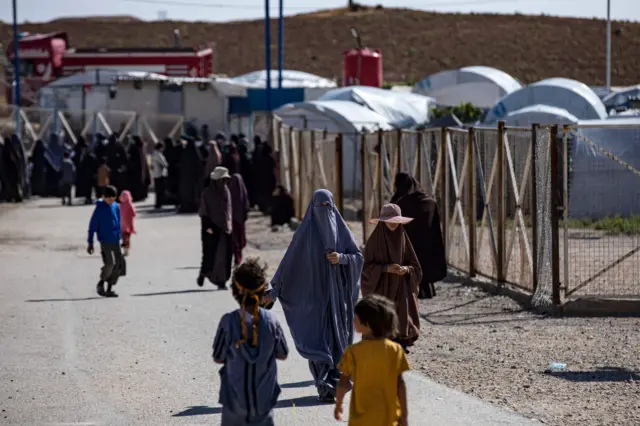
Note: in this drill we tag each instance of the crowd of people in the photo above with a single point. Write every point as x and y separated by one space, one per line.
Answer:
318 283
328 287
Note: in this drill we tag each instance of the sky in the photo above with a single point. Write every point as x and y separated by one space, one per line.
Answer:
232 10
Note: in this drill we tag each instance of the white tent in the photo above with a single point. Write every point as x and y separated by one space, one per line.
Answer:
539 114
600 186
346 117
333 116
237 86
574 97
479 85
619 97
401 110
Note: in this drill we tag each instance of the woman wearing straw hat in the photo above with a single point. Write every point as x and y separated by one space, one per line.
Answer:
217 225
391 269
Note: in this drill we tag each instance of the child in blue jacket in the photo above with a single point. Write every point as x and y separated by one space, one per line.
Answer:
105 222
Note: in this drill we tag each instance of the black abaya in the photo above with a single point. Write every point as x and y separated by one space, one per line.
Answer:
191 170
38 161
13 173
424 231
138 170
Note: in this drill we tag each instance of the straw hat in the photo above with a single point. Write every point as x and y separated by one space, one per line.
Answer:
391 213
220 173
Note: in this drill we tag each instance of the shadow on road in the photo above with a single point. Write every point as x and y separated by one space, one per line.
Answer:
203 410
601 374
198 410
297 385
79 299
303 401
165 293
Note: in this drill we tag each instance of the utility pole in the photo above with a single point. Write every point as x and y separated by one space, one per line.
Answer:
608 77
16 69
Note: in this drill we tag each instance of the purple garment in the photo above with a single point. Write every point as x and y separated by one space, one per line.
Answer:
249 379
318 298
239 198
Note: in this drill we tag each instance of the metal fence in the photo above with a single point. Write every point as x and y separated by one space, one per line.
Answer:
514 203
39 123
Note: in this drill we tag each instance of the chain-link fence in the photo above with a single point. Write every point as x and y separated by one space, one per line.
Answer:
600 176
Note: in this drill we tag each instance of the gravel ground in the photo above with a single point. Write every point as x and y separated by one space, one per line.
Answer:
490 347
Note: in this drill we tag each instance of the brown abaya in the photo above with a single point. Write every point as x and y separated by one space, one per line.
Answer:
385 247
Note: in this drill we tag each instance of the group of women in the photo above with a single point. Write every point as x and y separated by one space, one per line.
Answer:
323 272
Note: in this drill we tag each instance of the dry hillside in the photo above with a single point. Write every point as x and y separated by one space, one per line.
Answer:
414 43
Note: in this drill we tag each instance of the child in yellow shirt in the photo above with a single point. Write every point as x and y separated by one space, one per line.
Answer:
375 364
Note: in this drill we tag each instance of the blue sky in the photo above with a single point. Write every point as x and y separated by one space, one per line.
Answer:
227 10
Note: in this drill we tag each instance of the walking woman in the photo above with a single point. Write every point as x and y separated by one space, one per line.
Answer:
318 283
240 213
424 231
391 269
216 219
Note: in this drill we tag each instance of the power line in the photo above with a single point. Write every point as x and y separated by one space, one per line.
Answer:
420 5
213 5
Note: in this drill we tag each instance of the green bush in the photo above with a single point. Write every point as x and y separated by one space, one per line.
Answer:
466 112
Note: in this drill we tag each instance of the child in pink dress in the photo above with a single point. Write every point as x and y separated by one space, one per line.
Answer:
127 215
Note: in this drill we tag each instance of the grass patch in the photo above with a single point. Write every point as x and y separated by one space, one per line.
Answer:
615 225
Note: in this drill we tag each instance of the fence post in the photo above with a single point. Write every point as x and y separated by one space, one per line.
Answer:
471 202
555 212
290 152
565 208
301 180
312 161
363 172
339 177
502 211
419 154
380 170
399 157
444 187
534 202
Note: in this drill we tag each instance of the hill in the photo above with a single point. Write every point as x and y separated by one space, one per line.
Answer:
414 43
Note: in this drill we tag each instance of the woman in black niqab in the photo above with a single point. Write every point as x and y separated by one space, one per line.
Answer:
265 177
13 170
138 170
191 170
424 231
38 161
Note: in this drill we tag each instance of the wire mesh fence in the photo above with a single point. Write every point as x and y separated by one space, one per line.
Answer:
600 227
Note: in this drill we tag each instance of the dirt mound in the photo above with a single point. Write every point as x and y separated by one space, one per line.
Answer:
414 43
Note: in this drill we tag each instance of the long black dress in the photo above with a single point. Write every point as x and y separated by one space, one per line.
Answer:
191 170
424 231
265 177
138 170
172 152
38 161
13 171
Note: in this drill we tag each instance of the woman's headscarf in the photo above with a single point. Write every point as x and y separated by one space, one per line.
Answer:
317 297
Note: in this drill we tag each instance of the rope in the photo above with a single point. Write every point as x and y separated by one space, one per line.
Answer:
609 155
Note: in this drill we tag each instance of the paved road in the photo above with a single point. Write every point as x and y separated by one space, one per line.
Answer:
69 357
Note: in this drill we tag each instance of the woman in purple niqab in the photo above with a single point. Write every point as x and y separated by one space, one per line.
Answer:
318 284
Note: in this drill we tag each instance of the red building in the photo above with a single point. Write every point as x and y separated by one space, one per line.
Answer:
46 57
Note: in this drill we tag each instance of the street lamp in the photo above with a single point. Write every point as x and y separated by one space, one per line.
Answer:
16 67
